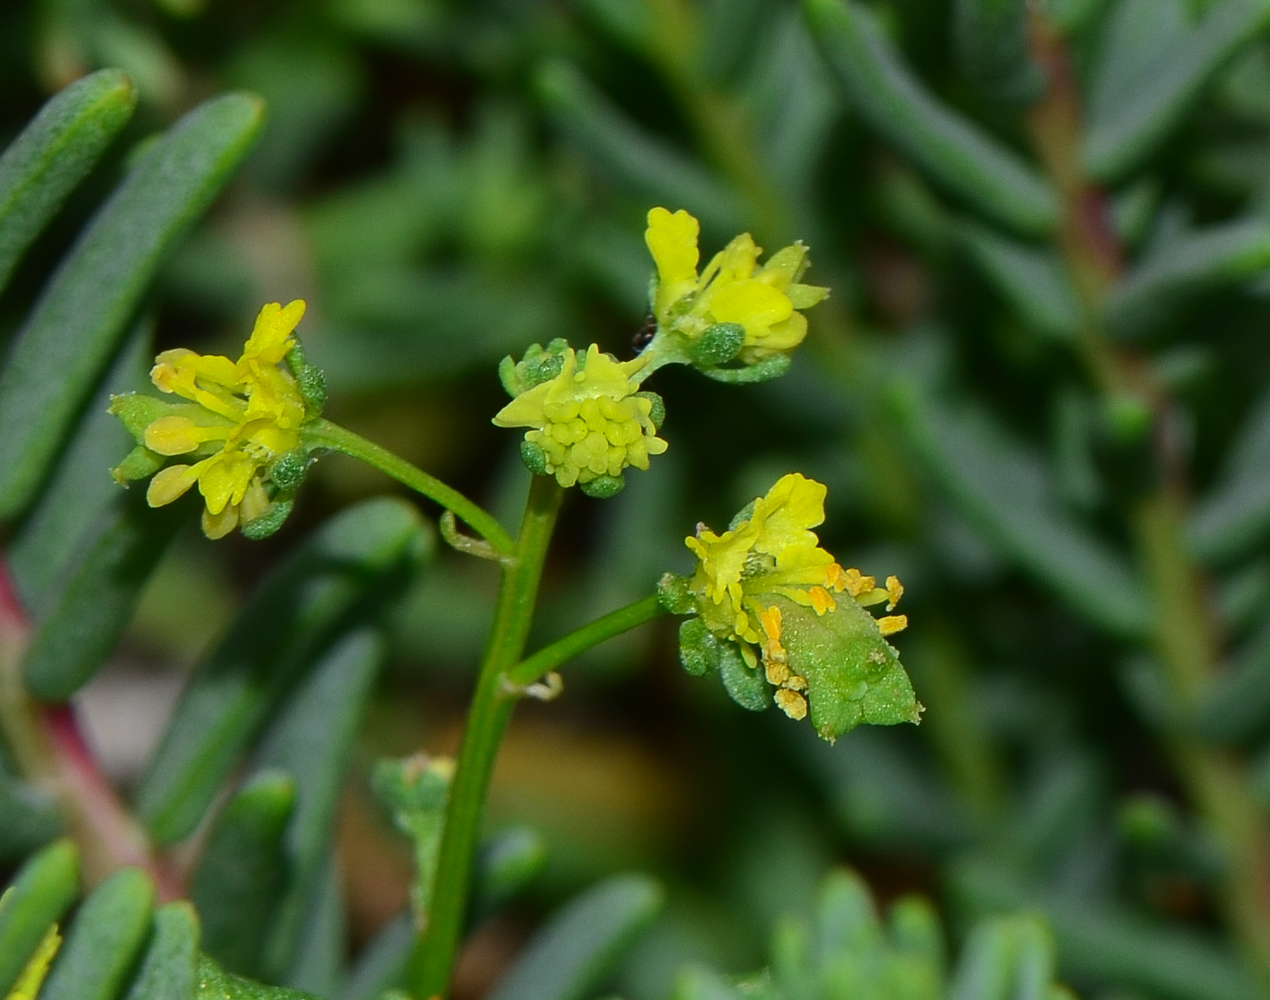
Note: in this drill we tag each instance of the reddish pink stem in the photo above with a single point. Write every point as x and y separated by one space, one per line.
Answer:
106 832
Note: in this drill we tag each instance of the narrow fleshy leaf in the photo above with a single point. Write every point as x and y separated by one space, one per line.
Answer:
1130 129
1234 516
169 970
1236 707
504 866
1030 278
95 607
384 963
105 939
76 326
313 741
1151 292
978 465
31 818
569 958
243 871
950 148
992 48
80 498
54 153
625 149
1099 941
42 892
344 573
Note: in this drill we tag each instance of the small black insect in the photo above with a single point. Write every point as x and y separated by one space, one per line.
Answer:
645 334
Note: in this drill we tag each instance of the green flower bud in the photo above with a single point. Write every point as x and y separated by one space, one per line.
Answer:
698 648
658 413
268 524
288 472
602 487
534 457
718 345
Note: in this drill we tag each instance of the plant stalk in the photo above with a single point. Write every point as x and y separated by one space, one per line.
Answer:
579 641
432 966
324 434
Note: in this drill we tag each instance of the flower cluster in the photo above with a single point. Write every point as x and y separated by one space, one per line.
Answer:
589 422
768 588
732 289
241 418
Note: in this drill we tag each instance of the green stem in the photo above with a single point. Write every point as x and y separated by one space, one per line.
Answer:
491 710
580 640
324 434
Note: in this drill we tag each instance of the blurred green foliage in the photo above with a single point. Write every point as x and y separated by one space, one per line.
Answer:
1038 394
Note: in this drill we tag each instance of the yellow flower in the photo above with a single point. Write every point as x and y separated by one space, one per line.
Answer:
590 421
732 288
246 415
767 586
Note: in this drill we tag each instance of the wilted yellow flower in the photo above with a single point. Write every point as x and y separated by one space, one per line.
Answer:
247 414
768 578
590 420
732 288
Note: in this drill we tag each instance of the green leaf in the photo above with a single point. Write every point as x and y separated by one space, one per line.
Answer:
1103 943
214 983
95 608
1237 706
106 938
243 872
31 818
853 674
1130 129
979 466
313 741
1150 293
569 958
951 149
661 173
505 864
1138 35
318 962
344 573
1234 516
75 327
42 892
54 153
170 968
384 963
80 498
1030 278
991 37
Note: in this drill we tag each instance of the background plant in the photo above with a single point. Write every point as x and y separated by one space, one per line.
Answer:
1036 394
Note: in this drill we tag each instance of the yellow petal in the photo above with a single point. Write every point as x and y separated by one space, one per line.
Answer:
225 479
170 483
754 304
672 240
219 525
269 341
176 435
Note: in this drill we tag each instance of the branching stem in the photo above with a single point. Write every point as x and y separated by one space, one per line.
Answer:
433 963
324 434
